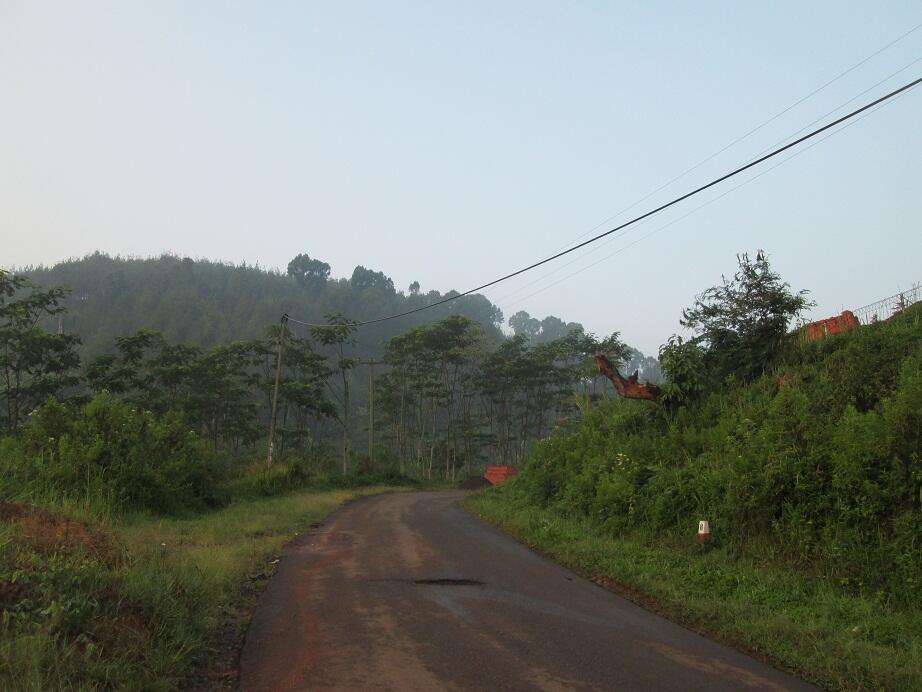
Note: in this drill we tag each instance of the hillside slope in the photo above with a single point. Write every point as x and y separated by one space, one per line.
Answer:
810 478
209 303
817 465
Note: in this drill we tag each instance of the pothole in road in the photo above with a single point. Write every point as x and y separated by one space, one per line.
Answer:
450 582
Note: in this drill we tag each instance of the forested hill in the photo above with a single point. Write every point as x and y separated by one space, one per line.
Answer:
208 303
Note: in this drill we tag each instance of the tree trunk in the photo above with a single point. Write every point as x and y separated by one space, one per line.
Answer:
401 428
345 425
629 388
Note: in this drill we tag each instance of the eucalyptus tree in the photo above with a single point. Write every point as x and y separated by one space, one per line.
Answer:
129 372
337 335
500 383
212 388
302 393
220 397
34 363
429 391
525 387
312 274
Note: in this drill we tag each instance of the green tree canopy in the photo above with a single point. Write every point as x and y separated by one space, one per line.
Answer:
525 325
741 324
310 273
363 278
541 331
34 364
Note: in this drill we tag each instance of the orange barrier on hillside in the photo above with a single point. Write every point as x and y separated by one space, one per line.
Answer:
499 474
833 325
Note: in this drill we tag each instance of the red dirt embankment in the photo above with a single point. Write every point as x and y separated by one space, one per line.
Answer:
47 533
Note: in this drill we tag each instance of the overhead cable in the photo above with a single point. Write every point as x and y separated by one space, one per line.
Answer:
671 203
756 129
634 242
763 151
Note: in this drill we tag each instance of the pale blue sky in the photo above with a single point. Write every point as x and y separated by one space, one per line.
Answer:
452 142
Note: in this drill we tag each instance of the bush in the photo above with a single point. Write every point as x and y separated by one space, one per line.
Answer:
295 473
821 469
683 365
111 453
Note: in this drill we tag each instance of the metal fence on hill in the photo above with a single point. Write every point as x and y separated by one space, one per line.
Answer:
886 308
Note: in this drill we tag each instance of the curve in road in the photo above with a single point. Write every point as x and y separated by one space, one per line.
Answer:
407 591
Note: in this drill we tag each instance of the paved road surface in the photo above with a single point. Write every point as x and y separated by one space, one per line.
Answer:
364 602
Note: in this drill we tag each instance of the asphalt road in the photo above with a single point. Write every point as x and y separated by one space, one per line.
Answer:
407 591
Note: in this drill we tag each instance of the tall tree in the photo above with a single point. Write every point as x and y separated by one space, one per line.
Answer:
303 399
742 323
541 331
310 273
337 335
216 390
525 325
363 278
34 364
429 390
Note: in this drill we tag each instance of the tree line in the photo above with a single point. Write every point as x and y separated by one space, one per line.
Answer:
208 303
451 395
449 399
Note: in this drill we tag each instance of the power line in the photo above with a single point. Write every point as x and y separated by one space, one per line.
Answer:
757 128
686 215
637 219
779 142
845 103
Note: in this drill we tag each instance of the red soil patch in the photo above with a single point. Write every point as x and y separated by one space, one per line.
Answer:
46 532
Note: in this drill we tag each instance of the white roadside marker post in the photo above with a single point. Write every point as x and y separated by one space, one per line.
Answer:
704 532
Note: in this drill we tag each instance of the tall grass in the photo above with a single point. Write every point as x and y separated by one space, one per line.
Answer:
811 480
810 626
141 613
817 466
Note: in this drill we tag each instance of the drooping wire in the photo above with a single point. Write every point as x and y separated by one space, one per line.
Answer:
686 215
671 203
538 280
754 130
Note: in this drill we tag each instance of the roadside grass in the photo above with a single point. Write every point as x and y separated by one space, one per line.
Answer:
138 602
805 625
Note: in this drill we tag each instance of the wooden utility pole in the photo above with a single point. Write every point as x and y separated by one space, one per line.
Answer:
275 390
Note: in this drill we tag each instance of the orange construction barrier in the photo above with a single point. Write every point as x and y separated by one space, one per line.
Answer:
499 474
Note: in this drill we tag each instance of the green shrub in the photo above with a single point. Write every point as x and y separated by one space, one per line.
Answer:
820 468
255 480
683 364
108 451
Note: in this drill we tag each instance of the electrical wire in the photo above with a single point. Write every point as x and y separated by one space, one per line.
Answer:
671 203
845 103
756 129
685 216
521 288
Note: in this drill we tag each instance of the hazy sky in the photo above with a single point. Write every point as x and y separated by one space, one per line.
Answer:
451 142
